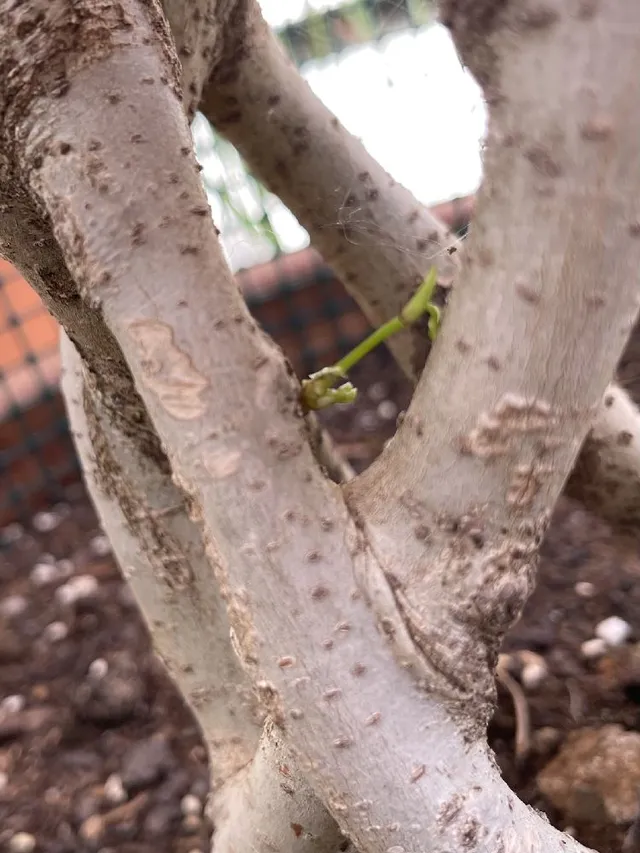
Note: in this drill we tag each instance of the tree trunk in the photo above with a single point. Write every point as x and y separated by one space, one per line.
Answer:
366 617
259 801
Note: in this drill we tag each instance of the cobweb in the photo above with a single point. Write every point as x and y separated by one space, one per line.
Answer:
395 82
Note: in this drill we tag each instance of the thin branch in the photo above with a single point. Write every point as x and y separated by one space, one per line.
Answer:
520 707
368 227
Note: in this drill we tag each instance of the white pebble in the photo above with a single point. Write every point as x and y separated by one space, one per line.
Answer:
77 589
4 780
191 805
593 648
22 842
377 392
13 605
98 668
533 674
387 410
114 790
11 533
13 704
585 589
65 567
368 421
100 546
44 522
56 631
614 631
43 574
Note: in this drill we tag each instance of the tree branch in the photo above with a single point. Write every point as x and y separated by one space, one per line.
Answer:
195 35
161 553
380 751
606 477
470 507
368 227
273 807
372 231
162 530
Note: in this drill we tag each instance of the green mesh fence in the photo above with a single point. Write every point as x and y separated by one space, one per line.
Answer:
348 24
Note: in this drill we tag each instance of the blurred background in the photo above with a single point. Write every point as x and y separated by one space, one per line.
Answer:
374 63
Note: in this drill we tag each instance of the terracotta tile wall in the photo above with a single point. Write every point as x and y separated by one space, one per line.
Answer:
29 358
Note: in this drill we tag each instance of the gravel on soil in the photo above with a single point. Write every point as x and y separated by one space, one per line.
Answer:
99 753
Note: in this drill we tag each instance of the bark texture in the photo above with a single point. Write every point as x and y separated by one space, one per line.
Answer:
258 799
370 229
606 477
161 554
367 226
478 499
367 622
142 510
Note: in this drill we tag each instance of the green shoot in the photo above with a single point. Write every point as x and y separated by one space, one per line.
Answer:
319 391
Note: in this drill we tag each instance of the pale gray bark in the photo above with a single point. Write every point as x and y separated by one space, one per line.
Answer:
258 798
27 240
369 228
263 817
196 26
161 555
477 498
606 477
378 238
335 604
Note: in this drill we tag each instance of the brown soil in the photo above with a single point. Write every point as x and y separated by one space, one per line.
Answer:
84 698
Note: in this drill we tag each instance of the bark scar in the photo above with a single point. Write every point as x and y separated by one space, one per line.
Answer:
168 371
